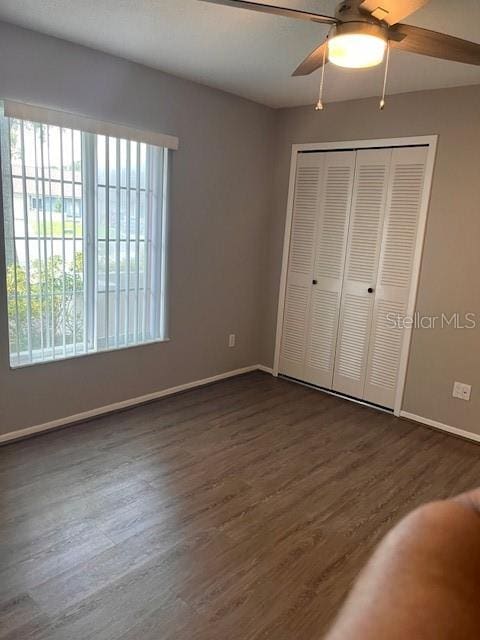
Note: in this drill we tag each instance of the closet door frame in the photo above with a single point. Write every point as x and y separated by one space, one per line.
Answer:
354 145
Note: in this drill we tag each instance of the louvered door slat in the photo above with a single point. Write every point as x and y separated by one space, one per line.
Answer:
353 342
405 196
322 337
296 307
330 247
300 266
363 250
304 218
386 346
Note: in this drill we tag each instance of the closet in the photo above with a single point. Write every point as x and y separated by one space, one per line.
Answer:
352 246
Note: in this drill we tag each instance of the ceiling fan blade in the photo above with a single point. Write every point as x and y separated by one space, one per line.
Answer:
312 62
392 11
434 44
277 11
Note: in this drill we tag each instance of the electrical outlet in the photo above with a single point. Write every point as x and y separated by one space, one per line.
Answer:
232 340
461 390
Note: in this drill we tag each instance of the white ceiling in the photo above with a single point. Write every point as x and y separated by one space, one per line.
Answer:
246 53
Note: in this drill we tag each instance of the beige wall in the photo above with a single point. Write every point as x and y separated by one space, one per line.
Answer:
450 273
220 198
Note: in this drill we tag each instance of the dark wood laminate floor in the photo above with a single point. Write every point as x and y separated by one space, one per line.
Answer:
242 510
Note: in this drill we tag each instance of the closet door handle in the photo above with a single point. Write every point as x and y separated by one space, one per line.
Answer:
314 281
370 290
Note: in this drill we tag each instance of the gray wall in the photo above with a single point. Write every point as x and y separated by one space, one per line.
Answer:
451 261
227 228
220 199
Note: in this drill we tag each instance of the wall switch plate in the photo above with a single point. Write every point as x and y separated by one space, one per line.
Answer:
461 390
231 340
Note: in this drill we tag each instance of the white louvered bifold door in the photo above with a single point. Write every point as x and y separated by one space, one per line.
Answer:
363 251
405 195
308 181
330 246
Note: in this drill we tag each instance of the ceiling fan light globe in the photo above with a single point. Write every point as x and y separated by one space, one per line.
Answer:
356 50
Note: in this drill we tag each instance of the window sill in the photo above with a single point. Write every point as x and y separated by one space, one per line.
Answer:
75 356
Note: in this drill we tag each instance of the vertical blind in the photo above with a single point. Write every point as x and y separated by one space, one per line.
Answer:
85 239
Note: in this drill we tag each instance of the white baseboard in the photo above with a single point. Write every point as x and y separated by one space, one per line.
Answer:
124 404
439 425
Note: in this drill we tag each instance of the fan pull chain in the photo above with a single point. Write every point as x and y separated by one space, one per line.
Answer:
382 101
319 106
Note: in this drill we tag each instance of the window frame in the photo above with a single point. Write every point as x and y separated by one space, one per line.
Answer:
90 344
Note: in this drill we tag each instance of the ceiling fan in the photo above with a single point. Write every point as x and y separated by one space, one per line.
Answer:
362 31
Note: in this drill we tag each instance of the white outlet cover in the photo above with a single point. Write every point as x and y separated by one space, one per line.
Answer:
461 390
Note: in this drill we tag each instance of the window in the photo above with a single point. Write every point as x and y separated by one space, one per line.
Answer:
85 220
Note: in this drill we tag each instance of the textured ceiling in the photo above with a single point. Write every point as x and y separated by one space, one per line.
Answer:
246 53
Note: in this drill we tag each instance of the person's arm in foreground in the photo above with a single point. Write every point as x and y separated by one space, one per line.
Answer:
423 581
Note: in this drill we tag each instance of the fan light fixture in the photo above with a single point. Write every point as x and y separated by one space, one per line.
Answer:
356 50
362 32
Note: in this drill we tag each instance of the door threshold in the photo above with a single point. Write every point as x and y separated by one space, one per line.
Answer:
337 394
